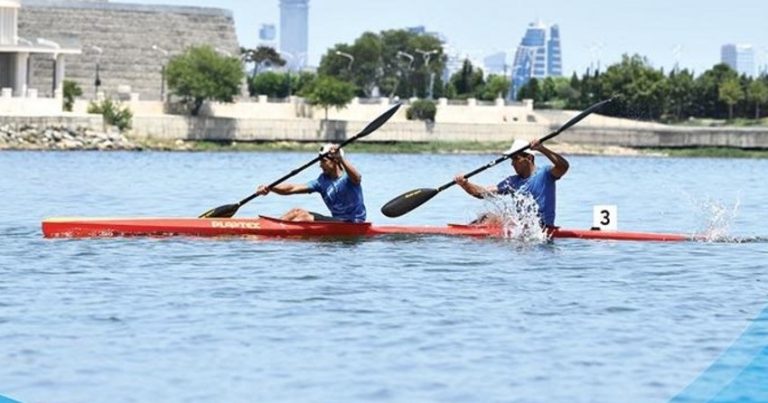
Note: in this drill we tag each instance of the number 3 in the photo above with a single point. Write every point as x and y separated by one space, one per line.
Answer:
606 217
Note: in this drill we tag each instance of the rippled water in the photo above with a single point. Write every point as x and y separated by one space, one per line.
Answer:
391 318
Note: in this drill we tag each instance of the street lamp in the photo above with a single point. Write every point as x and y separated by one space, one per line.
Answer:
348 56
97 80
426 54
162 71
408 56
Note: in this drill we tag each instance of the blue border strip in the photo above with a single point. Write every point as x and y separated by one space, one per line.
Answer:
740 374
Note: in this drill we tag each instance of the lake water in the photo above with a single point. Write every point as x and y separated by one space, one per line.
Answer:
387 319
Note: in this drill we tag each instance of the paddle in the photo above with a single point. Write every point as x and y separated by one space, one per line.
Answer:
410 200
228 210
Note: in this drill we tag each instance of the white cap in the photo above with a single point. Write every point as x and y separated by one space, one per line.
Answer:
327 147
520 143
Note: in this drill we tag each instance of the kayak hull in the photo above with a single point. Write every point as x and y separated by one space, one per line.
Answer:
275 228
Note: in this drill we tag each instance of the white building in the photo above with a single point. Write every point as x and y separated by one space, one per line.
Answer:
15 69
740 57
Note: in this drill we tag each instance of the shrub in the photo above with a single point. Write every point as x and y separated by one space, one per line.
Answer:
421 110
113 112
71 91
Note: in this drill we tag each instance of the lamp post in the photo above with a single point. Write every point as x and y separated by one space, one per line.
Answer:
426 54
408 56
162 71
97 79
348 56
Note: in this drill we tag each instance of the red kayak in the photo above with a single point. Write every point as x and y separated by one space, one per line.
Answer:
272 227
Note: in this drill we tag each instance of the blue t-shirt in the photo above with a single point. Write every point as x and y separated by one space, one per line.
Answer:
541 186
343 197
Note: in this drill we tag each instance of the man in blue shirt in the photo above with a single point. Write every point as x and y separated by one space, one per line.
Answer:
538 182
338 184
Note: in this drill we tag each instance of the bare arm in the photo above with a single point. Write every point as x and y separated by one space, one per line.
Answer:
352 172
284 189
560 164
474 189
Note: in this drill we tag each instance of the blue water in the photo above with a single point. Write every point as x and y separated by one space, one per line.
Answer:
388 319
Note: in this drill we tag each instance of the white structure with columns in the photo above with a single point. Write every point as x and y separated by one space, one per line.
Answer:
15 55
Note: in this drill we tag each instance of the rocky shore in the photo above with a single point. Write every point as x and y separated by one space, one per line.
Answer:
35 137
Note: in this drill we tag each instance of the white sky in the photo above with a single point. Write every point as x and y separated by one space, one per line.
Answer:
590 30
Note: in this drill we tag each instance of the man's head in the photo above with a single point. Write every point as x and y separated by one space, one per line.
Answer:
523 162
329 163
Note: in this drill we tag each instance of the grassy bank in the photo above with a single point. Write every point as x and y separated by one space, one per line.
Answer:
712 152
441 147
357 147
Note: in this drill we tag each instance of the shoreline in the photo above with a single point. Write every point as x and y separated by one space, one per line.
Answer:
127 143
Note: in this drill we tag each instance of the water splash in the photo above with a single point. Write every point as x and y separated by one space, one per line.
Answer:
519 217
717 218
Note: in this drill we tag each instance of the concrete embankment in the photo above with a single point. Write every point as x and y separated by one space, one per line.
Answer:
595 130
88 132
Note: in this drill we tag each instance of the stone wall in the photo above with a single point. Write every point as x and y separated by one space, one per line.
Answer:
125 33
586 133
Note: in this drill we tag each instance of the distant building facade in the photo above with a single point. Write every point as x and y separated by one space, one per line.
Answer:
496 63
539 55
740 57
17 54
267 32
121 48
294 32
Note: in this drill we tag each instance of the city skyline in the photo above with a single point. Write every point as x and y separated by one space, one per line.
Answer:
687 32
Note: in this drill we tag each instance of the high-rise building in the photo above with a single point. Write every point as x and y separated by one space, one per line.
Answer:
267 32
539 55
294 32
496 63
740 57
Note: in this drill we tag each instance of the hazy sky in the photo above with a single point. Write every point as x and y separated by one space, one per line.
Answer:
590 29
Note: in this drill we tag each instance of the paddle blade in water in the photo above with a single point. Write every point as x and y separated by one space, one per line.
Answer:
407 201
225 211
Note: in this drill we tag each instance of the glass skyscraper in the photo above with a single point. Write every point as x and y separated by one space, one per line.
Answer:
538 55
294 32
740 57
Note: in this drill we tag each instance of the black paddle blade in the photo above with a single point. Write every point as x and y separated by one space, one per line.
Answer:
225 211
407 201
379 121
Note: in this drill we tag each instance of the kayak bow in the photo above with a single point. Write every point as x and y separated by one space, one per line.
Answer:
272 227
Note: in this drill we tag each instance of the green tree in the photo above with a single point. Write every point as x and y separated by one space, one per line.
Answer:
531 90
389 61
731 93
496 87
262 56
707 91
681 93
201 73
574 97
422 109
71 91
364 67
301 81
467 81
638 89
757 93
327 91
269 83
